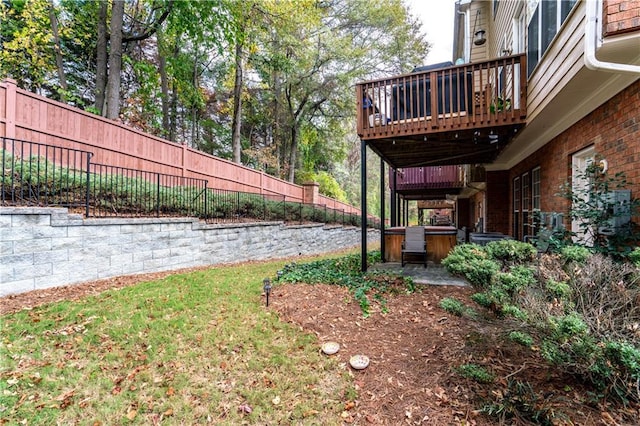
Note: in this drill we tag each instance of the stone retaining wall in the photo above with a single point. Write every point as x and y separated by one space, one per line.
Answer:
48 247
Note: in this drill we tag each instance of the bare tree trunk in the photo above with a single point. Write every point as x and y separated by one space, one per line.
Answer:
194 108
164 86
294 151
56 40
101 58
236 142
115 59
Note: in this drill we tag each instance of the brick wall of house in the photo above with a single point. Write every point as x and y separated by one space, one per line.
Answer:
497 202
620 16
613 130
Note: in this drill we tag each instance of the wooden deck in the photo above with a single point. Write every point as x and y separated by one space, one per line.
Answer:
456 115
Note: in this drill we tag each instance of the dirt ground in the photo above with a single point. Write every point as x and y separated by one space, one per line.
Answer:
413 351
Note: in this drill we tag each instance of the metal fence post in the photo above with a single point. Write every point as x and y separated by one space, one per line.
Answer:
88 192
206 192
158 196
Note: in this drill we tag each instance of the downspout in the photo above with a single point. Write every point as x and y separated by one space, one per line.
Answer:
465 14
594 10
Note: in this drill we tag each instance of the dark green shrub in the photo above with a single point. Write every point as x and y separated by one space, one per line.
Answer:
482 299
565 327
452 305
521 338
511 251
518 278
472 262
574 253
475 372
513 311
558 289
634 256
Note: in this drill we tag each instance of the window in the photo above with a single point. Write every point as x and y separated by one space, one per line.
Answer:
516 208
535 189
526 204
526 200
495 8
546 20
535 200
580 161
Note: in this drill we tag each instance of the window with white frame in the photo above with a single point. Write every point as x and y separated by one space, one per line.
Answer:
535 189
535 200
546 20
516 208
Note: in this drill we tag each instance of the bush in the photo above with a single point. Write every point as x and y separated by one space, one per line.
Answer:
513 311
512 251
634 256
521 338
482 299
453 306
558 289
518 278
472 262
577 254
475 372
585 316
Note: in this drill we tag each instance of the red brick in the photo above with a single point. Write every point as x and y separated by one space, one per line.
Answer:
613 129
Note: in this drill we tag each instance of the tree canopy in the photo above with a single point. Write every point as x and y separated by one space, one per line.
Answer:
267 83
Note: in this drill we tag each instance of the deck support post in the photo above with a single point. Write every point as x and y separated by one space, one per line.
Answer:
363 204
382 218
394 199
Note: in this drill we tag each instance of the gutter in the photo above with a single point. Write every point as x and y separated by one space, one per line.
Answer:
591 40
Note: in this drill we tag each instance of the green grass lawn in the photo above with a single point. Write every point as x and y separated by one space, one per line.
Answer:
191 348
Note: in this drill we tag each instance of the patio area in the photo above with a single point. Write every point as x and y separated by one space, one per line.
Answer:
433 274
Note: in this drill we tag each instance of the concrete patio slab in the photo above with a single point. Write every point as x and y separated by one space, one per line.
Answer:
433 274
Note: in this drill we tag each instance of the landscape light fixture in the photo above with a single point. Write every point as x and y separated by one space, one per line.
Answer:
267 288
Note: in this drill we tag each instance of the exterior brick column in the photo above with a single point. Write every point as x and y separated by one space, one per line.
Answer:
310 192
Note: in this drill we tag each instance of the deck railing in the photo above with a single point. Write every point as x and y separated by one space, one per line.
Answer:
434 177
483 94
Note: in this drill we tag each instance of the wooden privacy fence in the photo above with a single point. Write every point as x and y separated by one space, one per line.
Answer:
27 116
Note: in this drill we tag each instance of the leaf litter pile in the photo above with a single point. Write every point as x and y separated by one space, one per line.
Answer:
415 349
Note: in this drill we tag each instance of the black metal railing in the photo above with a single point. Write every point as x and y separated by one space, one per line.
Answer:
119 191
44 175
35 174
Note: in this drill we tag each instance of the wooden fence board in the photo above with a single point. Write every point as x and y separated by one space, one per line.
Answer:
27 116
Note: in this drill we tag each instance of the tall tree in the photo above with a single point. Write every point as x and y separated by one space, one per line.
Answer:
101 58
115 60
58 51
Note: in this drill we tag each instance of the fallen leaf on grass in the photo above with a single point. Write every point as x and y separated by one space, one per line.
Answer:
245 409
132 414
349 405
276 400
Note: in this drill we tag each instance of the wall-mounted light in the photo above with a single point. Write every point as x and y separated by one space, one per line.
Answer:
603 165
479 38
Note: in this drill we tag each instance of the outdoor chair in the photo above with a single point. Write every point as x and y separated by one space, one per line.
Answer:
414 243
